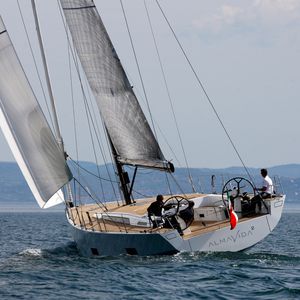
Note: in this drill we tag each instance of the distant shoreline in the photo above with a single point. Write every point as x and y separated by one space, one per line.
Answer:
28 208
33 208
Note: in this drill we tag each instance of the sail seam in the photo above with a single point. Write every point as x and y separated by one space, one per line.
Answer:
83 7
3 31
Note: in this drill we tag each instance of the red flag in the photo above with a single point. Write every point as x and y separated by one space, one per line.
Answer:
233 218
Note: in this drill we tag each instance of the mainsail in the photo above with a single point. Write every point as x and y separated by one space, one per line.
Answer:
124 119
27 131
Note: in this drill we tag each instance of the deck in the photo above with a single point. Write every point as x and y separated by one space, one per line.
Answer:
85 217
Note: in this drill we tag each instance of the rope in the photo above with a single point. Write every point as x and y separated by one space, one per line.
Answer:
169 97
204 90
89 172
101 205
138 67
89 120
99 142
98 202
74 113
163 136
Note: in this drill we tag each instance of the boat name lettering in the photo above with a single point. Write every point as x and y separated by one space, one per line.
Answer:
232 238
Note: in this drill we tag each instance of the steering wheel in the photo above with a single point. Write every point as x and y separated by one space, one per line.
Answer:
174 204
237 187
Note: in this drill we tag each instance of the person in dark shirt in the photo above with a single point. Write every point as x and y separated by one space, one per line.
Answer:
155 210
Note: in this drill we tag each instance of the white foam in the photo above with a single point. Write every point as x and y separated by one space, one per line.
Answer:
32 252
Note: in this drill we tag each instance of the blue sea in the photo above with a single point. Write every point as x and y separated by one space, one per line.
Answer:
38 260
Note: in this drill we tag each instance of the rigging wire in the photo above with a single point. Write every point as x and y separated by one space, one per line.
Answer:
89 172
99 144
169 97
111 159
88 114
87 117
160 131
98 140
83 92
35 64
162 70
100 204
96 125
204 90
73 112
97 133
177 183
138 66
87 190
173 178
90 120
102 178
141 79
89 193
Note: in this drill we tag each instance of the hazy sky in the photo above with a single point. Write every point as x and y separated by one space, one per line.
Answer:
246 53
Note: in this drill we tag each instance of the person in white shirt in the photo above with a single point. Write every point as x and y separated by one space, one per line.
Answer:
267 184
266 190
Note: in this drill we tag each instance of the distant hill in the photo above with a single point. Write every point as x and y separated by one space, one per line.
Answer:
14 189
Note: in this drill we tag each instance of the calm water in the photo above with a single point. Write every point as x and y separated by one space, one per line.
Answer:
38 260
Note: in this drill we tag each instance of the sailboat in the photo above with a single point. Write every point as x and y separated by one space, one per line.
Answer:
112 228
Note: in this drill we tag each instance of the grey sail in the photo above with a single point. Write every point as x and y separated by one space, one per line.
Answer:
27 131
123 117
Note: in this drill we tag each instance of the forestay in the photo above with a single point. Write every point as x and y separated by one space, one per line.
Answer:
27 131
124 119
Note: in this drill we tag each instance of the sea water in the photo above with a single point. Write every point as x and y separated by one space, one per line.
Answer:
38 260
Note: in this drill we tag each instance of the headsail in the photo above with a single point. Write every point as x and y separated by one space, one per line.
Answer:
27 131
124 119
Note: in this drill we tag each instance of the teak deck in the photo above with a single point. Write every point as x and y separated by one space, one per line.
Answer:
84 216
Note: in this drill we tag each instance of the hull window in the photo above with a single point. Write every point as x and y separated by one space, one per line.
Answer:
94 251
131 251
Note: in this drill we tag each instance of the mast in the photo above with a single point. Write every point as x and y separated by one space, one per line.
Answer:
123 176
54 113
57 132
132 141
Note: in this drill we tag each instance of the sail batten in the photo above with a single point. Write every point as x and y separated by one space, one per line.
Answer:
27 131
123 117
80 7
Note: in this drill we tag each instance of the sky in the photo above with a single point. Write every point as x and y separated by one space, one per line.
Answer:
246 54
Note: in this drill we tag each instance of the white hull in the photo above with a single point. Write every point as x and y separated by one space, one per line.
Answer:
246 234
